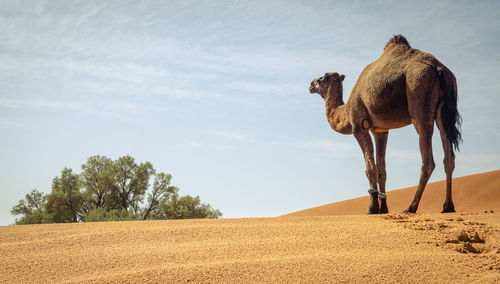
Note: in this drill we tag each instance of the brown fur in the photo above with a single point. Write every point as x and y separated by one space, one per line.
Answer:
403 86
397 39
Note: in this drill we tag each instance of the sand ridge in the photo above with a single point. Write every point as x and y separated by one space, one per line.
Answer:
472 193
341 249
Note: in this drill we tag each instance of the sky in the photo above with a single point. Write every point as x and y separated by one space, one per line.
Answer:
216 93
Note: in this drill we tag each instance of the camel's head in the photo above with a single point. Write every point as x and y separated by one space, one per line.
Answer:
321 84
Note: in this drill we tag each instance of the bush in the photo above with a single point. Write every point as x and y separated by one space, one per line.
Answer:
101 215
188 207
36 217
96 215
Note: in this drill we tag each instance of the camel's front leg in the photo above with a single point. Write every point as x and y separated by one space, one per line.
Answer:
380 146
365 142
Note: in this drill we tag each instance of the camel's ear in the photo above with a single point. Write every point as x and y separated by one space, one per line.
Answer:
342 77
326 76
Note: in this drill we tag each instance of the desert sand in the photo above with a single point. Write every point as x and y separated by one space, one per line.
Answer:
459 247
472 193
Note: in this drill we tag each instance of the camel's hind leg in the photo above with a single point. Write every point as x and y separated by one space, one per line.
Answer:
449 163
423 93
425 131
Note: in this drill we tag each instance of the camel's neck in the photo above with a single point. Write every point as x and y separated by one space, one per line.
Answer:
336 111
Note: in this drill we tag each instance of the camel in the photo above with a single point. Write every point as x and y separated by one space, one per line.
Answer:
403 86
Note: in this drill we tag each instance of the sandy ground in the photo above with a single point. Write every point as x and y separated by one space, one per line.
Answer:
308 248
473 193
422 248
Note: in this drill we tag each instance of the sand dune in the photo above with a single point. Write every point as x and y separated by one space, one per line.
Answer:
394 248
473 193
419 248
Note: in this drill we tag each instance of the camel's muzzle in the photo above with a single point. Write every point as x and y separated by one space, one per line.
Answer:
312 89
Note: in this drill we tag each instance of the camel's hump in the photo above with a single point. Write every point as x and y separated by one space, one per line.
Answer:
397 39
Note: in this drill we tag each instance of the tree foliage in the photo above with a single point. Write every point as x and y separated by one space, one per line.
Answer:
108 190
65 201
98 178
32 209
162 191
131 183
187 207
33 201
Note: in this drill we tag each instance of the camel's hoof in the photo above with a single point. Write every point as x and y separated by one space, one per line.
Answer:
383 207
448 210
448 207
407 211
373 210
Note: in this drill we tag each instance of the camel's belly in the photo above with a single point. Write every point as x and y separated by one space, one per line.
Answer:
390 118
389 124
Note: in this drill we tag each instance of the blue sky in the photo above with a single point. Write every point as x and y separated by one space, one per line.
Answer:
216 93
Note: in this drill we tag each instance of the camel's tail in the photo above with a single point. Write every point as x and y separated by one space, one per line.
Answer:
449 113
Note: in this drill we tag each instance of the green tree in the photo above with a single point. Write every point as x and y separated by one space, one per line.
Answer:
32 209
188 207
131 183
65 201
98 179
161 191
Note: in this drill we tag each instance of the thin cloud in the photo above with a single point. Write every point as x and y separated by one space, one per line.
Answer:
265 87
37 104
9 124
117 110
233 135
